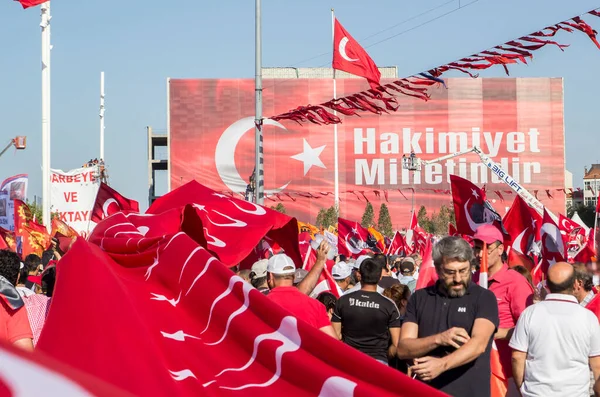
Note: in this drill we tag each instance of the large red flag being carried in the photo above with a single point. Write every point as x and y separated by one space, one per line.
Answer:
109 202
471 207
350 57
352 238
522 224
163 316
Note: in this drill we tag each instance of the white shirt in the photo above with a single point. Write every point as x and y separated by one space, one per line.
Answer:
559 337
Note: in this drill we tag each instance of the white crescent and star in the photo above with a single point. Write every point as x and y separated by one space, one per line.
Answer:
107 204
225 155
554 233
472 224
342 50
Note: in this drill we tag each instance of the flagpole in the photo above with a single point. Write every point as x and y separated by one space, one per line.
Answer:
46 47
258 138
336 181
101 116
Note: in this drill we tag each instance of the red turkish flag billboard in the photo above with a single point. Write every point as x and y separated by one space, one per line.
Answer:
518 122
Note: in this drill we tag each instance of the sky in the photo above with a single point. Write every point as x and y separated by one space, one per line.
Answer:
139 44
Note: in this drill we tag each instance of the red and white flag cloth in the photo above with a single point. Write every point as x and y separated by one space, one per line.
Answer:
350 57
51 377
471 207
397 245
109 202
31 3
427 274
522 223
230 228
163 316
352 238
553 248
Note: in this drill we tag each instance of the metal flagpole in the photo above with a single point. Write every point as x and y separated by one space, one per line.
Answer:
336 181
258 137
46 47
101 116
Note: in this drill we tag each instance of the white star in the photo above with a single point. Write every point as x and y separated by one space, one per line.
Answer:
310 156
475 193
354 231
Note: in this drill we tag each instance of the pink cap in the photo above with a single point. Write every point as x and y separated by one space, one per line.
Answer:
488 233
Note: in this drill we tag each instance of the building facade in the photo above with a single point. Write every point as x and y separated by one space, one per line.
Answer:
591 185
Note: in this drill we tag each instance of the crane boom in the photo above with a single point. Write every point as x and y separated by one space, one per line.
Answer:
500 173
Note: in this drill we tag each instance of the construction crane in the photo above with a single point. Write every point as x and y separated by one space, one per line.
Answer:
20 142
413 163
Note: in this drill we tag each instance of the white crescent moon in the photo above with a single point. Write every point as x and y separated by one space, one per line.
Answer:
107 204
349 246
225 154
554 233
517 243
472 224
342 49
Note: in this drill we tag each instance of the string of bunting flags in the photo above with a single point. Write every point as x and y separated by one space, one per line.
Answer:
382 98
378 193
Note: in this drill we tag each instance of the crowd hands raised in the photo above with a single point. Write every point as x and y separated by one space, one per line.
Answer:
545 339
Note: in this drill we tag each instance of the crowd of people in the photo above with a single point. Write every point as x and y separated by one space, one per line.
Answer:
547 336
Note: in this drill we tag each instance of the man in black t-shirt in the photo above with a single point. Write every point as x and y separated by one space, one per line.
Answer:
365 319
448 327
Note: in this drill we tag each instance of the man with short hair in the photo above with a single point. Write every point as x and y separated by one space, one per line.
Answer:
280 278
14 323
512 290
448 327
556 341
357 265
583 288
365 319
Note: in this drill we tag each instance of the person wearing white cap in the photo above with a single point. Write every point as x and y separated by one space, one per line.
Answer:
341 273
280 278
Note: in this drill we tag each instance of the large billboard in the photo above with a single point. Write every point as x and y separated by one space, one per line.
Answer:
518 122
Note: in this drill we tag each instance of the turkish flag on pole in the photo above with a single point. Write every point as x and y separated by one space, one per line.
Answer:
471 207
352 238
427 274
350 57
163 316
31 3
109 202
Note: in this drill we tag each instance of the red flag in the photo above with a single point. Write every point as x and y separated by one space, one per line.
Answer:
427 274
397 246
228 227
471 207
522 224
350 57
452 229
166 307
31 3
109 202
553 248
352 238
49 374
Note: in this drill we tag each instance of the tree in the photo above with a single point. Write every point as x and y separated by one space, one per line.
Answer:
384 223
368 218
327 217
423 219
36 211
439 221
280 208
586 213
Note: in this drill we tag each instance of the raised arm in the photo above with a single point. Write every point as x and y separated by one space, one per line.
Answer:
307 285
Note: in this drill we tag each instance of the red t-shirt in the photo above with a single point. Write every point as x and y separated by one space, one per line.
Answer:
14 324
301 306
513 294
594 306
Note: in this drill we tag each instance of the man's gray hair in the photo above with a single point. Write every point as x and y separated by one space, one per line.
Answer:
451 248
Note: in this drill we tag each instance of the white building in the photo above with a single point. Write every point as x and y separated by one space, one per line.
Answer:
591 185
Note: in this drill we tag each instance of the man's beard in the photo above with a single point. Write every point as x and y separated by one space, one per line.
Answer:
456 293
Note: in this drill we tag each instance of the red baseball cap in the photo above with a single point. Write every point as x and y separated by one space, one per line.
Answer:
488 233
